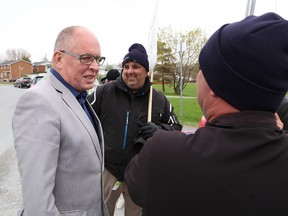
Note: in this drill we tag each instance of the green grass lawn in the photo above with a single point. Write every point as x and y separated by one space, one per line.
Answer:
6 83
189 91
191 112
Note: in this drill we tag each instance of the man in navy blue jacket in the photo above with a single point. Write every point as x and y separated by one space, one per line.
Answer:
237 163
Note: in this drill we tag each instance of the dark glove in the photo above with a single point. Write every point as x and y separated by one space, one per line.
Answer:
138 144
148 130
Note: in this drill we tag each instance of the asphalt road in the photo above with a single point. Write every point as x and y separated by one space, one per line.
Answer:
10 190
9 96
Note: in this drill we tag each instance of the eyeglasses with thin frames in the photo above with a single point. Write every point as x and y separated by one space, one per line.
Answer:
86 59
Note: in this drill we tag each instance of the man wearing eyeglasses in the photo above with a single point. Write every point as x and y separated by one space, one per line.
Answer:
58 136
122 107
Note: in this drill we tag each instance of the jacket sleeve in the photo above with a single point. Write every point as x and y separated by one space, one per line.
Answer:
170 122
283 112
137 175
36 129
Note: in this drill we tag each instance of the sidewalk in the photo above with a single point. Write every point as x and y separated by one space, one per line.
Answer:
188 129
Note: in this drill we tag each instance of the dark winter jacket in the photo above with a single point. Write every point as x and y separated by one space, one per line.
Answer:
119 110
283 112
235 165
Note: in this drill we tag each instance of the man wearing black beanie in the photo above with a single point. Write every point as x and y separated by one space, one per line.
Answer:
237 163
111 75
122 107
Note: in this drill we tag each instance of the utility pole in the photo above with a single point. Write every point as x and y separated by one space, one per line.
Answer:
250 7
181 50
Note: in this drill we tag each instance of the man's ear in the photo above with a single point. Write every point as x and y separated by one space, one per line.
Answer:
57 60
212 94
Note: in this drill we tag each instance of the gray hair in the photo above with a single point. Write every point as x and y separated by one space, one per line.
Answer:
65 38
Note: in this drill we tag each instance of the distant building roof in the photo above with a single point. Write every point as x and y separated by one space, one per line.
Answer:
7 62
41 63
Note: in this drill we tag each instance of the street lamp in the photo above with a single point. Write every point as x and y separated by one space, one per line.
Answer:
181 49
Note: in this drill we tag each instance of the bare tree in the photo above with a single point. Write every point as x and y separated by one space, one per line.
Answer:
1 58
18 54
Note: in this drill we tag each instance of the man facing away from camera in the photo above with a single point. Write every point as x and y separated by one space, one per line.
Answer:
122 107
237 163
58 137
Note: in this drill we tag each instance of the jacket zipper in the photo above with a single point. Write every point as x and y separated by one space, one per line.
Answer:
126 130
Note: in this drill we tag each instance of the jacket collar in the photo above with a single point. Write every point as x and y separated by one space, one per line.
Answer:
119 82
246 119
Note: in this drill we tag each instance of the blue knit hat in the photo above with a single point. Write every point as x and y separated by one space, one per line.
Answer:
137 53
246 63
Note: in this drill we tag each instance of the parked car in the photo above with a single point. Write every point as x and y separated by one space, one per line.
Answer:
36 79
23 82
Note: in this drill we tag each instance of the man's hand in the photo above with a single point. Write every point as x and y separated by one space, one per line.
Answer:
148 130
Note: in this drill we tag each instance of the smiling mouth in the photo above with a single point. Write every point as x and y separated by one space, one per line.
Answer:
89 77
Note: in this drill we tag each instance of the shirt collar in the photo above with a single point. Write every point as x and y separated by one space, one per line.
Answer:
73 90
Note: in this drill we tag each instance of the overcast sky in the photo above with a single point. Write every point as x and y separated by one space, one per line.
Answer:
33 25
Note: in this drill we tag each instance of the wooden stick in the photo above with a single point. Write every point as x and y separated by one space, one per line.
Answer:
149 118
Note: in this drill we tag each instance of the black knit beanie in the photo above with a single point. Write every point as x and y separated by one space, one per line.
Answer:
138 54
246 63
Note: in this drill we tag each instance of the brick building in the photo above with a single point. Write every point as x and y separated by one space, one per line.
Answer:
41 67
12 70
